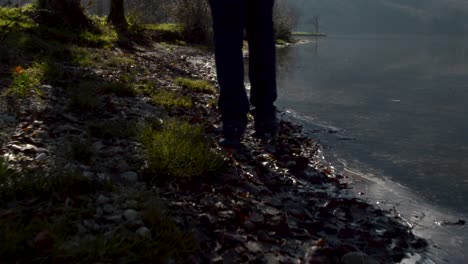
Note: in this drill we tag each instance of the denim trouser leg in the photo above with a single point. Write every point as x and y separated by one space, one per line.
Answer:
262 60
228 27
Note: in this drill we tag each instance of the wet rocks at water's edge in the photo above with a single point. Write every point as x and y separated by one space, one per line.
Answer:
279 202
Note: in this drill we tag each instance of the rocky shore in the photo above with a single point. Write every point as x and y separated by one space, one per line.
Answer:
276 202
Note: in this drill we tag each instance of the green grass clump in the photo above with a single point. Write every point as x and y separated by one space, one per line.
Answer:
200 86
145 88
115 61
170 100
180 150
166 27
16 185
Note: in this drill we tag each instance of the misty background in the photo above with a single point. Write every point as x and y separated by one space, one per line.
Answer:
386 16
438 17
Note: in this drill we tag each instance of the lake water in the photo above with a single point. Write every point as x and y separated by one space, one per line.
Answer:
395 110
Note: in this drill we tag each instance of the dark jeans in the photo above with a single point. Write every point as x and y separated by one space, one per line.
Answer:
230 18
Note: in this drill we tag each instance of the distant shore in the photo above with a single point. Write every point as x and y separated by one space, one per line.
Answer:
309 34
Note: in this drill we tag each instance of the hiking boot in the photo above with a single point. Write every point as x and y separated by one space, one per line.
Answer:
232 133
266 125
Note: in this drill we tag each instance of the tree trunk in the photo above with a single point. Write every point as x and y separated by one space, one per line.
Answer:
69 12
117 14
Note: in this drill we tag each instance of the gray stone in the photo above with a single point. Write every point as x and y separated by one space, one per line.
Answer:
91 225
130 176
131 204
41 157
103 177
88 174
108 209
8 119
249 226
99 212
102 199
144 232
131 215
253 247
257 218
114 218
272 211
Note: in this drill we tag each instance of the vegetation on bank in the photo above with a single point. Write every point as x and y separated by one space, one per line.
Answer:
34 54
41 211
308 34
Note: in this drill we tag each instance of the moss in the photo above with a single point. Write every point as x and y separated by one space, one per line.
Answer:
179 150
200 86
170 100
172 33
166 27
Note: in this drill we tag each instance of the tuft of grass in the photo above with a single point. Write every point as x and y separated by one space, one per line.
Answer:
25 82
85 57
115 61
145 88
179 150
200 86
170 100
165 27
16 185
118 88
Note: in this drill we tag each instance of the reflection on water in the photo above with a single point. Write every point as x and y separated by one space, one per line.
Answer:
403 100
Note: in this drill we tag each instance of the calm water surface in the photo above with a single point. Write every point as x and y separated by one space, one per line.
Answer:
399 104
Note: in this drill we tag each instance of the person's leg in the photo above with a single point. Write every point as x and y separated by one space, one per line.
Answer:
262 64
228 28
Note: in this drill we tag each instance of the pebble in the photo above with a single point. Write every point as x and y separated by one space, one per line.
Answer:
108 209
99 212
131 215
130 176
102 199
253 247
257 218
131 204
88 174
8 119
41 157
144 232
249 226
114 218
